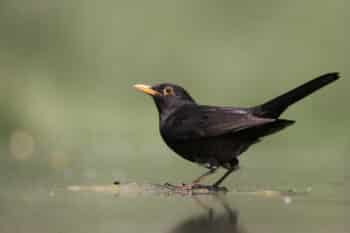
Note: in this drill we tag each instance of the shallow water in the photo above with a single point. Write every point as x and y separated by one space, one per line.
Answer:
43 209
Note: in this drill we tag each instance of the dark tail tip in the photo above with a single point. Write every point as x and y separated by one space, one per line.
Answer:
275 107
330 77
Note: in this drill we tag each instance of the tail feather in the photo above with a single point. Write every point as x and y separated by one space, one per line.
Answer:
275 107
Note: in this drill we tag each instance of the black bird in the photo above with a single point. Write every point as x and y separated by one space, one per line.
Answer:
215 136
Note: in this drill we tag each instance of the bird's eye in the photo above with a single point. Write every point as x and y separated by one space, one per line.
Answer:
168 91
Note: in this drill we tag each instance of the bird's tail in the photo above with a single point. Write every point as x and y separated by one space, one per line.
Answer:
275 107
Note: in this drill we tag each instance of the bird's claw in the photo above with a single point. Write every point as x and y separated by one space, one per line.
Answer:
182 187
192 187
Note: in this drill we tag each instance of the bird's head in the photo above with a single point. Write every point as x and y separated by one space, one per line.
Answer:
166 96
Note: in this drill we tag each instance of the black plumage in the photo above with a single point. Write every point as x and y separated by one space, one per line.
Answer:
215 136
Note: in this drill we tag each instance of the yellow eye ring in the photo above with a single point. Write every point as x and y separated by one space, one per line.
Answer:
168 91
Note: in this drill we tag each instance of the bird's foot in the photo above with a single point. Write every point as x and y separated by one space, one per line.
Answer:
214 188
193 187
182 187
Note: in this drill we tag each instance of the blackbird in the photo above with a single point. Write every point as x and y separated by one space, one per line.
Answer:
215 136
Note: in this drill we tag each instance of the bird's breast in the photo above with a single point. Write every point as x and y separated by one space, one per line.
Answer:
212 150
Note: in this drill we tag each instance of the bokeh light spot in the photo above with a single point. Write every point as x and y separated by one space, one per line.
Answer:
21 145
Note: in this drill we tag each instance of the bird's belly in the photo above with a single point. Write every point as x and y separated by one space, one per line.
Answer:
213 151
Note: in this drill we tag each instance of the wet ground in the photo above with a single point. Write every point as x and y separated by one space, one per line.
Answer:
144 208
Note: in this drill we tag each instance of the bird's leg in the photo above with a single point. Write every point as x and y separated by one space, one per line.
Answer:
201 177
194 184
217 183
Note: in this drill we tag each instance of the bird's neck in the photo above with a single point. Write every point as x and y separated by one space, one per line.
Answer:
166 112
171 108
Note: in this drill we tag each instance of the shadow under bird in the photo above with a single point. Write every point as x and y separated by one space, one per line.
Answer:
215 136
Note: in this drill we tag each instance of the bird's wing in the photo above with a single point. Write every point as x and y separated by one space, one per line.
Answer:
198 121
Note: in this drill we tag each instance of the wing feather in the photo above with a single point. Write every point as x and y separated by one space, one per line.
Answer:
197 121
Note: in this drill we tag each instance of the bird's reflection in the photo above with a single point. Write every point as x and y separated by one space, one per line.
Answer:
214 220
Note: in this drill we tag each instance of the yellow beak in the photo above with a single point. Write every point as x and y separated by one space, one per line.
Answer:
146 89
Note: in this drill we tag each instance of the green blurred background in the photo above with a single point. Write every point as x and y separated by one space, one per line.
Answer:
69 115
